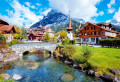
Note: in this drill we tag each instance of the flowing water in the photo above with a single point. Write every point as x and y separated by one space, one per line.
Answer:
35 68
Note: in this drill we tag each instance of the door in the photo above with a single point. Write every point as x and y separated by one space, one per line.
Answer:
97 41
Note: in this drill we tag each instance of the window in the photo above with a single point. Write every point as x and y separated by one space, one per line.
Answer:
93 39
103 32
87 39
87 28
97 33
92 33
83 34
87 33
92 27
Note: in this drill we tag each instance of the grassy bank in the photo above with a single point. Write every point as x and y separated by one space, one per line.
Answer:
102 59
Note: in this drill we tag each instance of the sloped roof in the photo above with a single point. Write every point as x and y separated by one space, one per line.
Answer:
3 22
96 26
6 27
36 33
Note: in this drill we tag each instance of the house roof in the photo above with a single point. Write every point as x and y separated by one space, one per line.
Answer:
96 26
6 27
106 24
36 33
3 22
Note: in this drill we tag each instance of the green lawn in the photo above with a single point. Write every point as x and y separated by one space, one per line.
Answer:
102 59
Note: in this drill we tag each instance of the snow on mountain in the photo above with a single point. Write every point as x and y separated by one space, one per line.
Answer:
55 18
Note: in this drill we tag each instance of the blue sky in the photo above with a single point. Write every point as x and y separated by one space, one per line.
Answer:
28 12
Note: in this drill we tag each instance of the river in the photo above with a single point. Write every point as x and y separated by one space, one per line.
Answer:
35 68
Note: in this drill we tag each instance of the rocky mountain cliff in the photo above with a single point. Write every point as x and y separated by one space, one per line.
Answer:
58 21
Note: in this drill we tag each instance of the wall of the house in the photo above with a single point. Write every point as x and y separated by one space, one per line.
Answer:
87 34
32 37
9 37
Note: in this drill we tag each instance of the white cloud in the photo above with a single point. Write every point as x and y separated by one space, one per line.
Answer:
111 10
108 21
112 2
84 9
33 7
46 11
117 15
38 4
27 3
20 15
101 13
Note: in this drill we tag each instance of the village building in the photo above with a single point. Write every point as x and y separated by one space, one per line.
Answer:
70 30
91 33
39 32
7 30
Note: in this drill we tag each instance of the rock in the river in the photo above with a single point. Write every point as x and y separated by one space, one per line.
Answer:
34 66
90 72
75 65
6 76
115 71
67 77
67 62
17 77
80 66
109 77
96 74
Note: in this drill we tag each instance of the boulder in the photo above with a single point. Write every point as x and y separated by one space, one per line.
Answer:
80 66
17 77
90 72
6 76
34 66
115 71
75 65
109 77
96 74
67 78
67 62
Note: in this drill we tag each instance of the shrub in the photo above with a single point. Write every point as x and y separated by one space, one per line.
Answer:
72 41
1 79
86 52
2 38
53 40
110 42
3 45
47 36
15 41
69 50
65 42
17 36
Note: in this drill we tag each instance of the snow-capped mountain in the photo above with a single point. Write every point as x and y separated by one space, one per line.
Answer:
115 24
56 20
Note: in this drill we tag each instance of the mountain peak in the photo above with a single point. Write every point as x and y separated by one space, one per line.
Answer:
53 17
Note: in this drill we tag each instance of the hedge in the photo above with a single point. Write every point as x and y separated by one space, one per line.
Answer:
2 38
110 42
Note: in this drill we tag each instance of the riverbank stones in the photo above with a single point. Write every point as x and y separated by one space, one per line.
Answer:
6 76
17 77
67 77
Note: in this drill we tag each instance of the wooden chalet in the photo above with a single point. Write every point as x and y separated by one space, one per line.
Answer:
7 30
91 33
